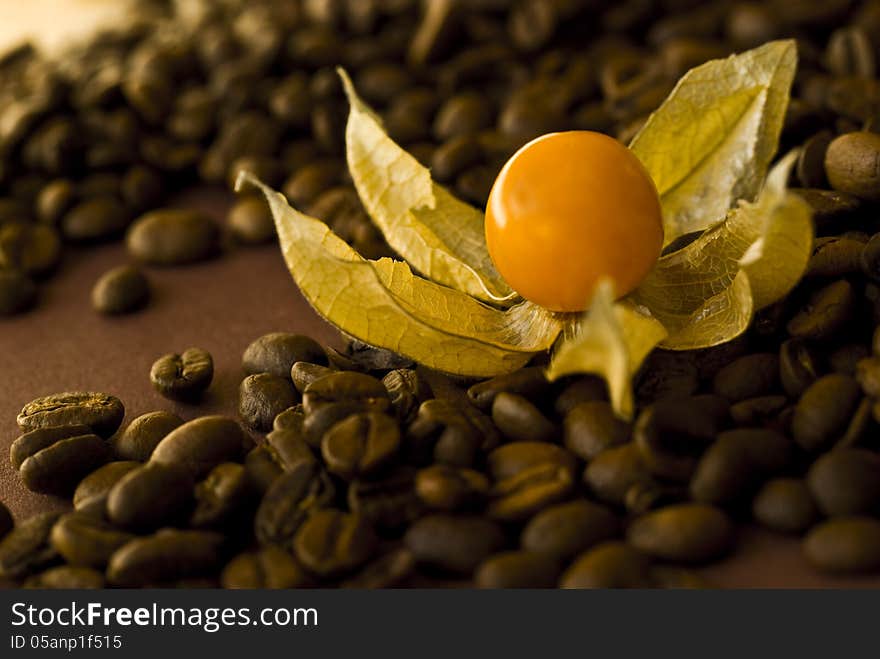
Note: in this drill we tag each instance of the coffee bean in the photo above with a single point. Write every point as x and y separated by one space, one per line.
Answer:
447 488
517 569
96 219
520 496
288 447
785 505
836 256
57 468
262 397
463 114
276 353
90 496
611 564
591 427
388 571
798 367
684 533
567 529
66 577
34 249
54 200
201 444
811 160
821 414
150 496
389 503
832 210
17 292
331 543
846 482
167 556
519 420
250 221
757 411
308 182
844 544
407 390
319 422
614 471
172 237
183 377
360 445
261 468
141 188
289 500
850 52
87 541
221 497
851 164
140 437
101 412
25 549
34 441
450 432
870 258
668 375
269 567
346 387
747 377
456 544
290 419
120 290
826 313
529 382
511 459
455 156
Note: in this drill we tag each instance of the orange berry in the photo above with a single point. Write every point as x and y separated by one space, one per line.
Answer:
567 210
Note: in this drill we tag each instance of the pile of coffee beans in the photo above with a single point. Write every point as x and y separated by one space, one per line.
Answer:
357 468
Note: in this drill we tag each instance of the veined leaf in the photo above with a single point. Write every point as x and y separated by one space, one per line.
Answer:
384 304
706 293
612 340
439 235
710 143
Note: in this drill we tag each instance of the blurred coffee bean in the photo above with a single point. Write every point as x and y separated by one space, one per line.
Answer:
221 497
270 567
835 257
522 495
120 290
785 505
567 529
612 472
850 52
591 427
684 533
826 313
26 549
306 184
90 496
185 376
172 237
96 219
463 114
138 439
747 377
33 249
66 577
844 544
517 569
811 160
331 543
516 457
447 488
457 544
17 292
150 496
165 557
250 221
611 564
846 481
798 367
54 200
519 420
201 444
84 540
823 411
289 500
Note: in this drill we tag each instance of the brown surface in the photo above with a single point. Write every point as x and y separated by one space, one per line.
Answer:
222 305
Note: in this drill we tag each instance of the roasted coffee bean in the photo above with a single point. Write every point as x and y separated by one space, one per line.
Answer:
851 164
785 505
611 564
868 376
456 544
99 218
511 459
733 466
826 313
835 256
641 498
567 529
66 577
672 433
346 387
811 160
519 420
371 358
150 496
319 422
747 377
34 441
120 290
276 353
463 114
446 488
269 567
798 367
360 445
54 200
844 544
832 210
201 444
520 496
683 533
850 52
304 373
407 390
614 471
90 496
223 495
290 419
307 183
288 447
262 397
34 249
57 468
167 556
6 521
450 432
455 156
140 437
26 549
821 415
185 376
85 540
261 468
845 358
389 503
289 500
250 221
388 571
517 569
172 237
757 411
529 382
870 258
141 188
101 412
330 542
846 482
17 292
591 427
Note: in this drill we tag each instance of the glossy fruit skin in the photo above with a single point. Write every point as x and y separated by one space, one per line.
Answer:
567 210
